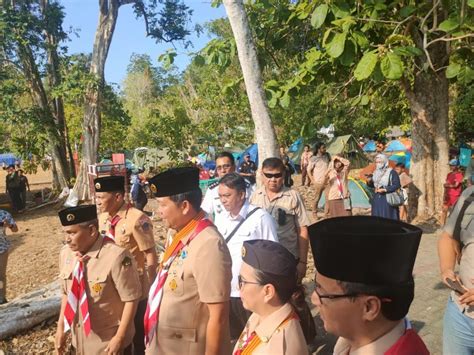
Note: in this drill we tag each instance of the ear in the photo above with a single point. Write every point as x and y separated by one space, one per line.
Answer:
185 207
269 293
372 307
92 229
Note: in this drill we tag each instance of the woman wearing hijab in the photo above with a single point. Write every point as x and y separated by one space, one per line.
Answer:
384 180
268 288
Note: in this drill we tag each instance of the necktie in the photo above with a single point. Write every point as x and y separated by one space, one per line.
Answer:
77 296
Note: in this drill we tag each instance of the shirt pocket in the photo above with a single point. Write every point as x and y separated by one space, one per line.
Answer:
179 334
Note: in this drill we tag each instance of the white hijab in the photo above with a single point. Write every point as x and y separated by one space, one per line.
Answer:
382 173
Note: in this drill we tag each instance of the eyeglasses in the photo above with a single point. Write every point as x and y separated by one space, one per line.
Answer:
334 296
222 167
276 176
242 282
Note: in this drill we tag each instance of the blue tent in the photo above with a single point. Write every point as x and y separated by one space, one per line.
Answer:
360 194
253 151
369 146
8 159
395 146
404 157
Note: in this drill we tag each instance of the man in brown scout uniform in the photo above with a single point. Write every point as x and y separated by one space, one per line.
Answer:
100 288
131 229
287 208
188 304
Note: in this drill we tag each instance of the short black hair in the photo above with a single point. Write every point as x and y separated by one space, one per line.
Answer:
400 165
226 155
234 181
194 197
273 163
401 297
318 145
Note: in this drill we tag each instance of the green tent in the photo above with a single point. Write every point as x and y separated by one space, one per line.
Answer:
347 147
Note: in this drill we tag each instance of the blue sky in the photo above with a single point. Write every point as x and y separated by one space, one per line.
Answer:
129 35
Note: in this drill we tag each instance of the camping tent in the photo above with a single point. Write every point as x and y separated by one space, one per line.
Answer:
8 159
360 194
253 151
347 147
402 157
296 149
395 146
370 146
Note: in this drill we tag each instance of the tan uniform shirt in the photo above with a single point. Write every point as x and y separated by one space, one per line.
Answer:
378 347
277 339
292 216
318 167
201 274
333 191
133 232
111 279
305 156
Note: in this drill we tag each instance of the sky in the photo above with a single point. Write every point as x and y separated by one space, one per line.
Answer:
129 36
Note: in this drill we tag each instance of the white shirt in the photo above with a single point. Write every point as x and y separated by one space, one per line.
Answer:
212 205
260 225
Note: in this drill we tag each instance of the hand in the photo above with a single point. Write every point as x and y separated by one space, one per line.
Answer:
301 271
468 297
114 346
448 274
60 341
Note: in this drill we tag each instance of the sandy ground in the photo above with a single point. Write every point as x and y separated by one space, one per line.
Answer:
33 262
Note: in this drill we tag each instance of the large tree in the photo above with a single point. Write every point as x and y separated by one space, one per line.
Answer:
165 20
365 46
31 31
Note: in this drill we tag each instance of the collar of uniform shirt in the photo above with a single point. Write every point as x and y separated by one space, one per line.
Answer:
242 213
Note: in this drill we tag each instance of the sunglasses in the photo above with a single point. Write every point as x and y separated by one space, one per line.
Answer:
276 176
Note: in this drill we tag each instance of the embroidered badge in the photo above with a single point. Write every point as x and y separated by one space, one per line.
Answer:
146 226
126 261
153 188
173 285
70 217
97 288
97 185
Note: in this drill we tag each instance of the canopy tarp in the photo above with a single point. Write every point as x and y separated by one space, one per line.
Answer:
395 146
370 146
361 194
348 148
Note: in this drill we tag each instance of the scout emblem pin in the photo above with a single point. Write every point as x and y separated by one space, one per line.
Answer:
97 185
173 285
244 252
70 217
97 288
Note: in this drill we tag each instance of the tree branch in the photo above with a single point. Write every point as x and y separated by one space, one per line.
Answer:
449 39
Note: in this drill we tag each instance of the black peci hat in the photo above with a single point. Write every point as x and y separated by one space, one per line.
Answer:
109 184
175 181
75 215
369 250
269 257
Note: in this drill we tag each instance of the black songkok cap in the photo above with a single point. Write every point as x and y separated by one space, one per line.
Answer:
175 181
109 184
76 215
368 250
269 257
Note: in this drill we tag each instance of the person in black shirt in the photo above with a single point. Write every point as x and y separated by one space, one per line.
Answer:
248 169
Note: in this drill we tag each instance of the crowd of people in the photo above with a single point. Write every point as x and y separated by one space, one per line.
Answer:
230 279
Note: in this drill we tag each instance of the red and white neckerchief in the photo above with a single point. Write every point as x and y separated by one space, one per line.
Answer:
155 295
110 236
77 296
339 186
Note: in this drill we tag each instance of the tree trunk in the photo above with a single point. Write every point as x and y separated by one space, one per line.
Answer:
108 14
40 98
264 130
428 99
29 310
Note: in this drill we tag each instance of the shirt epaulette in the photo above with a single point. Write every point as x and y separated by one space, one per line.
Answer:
213 185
